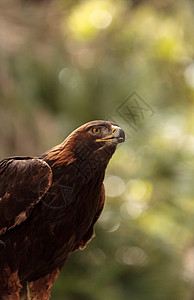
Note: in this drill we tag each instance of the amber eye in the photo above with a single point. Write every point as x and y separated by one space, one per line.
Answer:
96 130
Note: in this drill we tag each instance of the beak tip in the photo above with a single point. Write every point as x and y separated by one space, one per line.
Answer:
121 138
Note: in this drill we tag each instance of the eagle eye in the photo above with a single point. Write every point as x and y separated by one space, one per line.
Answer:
96 130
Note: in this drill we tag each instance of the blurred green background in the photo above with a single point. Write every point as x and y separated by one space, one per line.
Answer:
64 63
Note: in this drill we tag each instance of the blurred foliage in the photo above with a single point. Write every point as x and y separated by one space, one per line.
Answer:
64 63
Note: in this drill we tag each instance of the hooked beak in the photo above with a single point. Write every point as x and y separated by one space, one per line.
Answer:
117 135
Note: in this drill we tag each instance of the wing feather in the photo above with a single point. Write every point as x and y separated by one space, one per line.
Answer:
23 182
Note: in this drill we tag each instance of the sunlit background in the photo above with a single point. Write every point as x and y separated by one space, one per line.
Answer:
64 63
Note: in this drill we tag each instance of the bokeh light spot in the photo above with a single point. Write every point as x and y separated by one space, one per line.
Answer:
137 190
131 256
110 221
70 78
131 209
114 186
189 75
100 18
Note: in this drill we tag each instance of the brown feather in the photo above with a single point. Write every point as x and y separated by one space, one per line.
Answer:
48 208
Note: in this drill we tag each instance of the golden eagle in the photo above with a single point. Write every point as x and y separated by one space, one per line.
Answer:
49 205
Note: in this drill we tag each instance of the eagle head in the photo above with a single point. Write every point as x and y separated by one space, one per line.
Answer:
94 142
98 134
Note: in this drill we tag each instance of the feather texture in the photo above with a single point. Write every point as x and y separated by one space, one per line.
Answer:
48 208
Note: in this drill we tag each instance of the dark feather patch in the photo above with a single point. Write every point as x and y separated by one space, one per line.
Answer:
48 208
22 184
